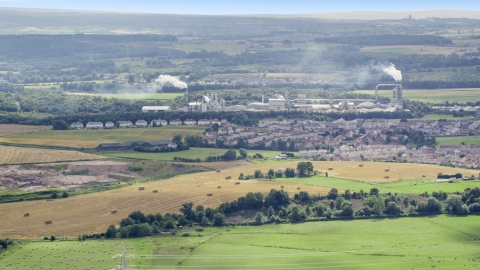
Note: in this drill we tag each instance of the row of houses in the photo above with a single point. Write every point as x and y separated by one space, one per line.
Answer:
143 123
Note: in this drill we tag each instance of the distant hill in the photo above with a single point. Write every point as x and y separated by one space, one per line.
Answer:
385 15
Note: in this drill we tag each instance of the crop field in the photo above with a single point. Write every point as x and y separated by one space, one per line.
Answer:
92 138
92 211
194 153
22 155
11 129
457 140
152 96
402 243
461 95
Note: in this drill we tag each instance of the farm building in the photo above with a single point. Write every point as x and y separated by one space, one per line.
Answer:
154 109
118 146
176 122
152 144
159 123
76 125
109 124
141 123
190 122
124 124
94 125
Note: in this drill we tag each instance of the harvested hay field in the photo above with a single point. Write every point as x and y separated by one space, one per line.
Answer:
51 142
23 155
91 213
376 171
12 129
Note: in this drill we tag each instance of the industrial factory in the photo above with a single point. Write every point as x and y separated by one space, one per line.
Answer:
211 102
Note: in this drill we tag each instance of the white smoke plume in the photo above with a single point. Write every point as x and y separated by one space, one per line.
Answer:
169 80
392 71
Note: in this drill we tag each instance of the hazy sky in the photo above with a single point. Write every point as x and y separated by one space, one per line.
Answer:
244 6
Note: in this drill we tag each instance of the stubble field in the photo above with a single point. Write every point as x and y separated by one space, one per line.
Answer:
11 129
90 213
23 155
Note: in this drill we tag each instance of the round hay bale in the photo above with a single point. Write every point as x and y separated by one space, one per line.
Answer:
48 222
360 165
155 191
237 183
228 178
26 214
209 194
282 186
298 188
218 171
386 177
113 211
219 187
141 188
330 169
387 170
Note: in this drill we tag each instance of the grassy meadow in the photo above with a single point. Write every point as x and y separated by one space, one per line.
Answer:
193 153
399 243
462 95
457 140
417 186
92 138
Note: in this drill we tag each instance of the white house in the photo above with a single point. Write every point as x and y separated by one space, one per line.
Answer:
124 124
216 121
154 109
94 125
176 122
190 122
224 121
159 123
204 122
76 125
109 124
141 123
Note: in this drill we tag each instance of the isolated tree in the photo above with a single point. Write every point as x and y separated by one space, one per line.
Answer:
243 153
64 194
271 173
187 210
177 139
289 172
278 174
393 209
230 155
374 192
257 174
52 238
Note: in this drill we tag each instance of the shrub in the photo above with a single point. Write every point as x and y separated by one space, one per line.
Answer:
185 234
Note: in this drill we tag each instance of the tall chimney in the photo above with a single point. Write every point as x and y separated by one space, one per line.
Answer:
186 99
263 98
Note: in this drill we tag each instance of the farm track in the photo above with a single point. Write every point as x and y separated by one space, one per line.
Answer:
90 213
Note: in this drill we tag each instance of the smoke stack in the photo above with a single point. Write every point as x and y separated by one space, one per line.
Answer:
186 99
263 99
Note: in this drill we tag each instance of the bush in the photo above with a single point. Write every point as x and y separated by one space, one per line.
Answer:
474 208
185 234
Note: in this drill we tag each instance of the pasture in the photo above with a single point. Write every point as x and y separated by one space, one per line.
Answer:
92 138
461 95
146 96
402 243
11 129
92 211
442 116
457 140
23 155
411 49
193 153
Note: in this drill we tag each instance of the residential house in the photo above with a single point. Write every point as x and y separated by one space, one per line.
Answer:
76 125
94 125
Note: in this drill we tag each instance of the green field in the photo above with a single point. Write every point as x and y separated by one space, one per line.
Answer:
398 243
153 96
401 186
433 96
458 140
442 116
193 153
